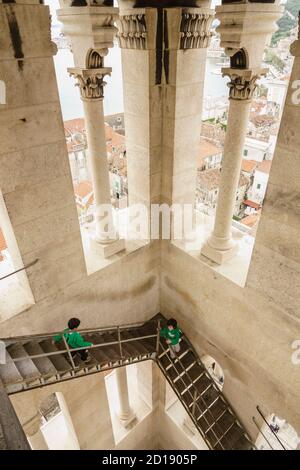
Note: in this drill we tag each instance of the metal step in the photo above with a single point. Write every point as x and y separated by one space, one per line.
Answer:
108 354
150 343
43 364
10 375
59 361
25 366
194 386
138 345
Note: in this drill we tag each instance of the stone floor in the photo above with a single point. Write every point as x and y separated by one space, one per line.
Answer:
235 269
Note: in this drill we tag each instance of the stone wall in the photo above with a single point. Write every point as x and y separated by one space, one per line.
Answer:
36 183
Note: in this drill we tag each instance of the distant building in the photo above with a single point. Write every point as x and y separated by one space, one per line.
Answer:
213 132
78 156
251 207
116 121
215 107
84 196
251 221
260 181
209 156
248 167
257 150
118 175
208 183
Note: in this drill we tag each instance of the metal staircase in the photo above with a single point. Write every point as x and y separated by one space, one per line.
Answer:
35 361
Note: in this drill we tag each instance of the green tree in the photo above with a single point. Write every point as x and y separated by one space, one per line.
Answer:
286 23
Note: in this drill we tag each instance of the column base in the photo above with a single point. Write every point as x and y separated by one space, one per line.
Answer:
127 421
219 256
107 249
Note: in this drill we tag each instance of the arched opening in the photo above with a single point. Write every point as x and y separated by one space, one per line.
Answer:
94 60
239 60
278 434
76 135
56 429
15 292
259 145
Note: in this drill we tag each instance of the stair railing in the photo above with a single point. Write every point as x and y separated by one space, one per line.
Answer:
157 338
220 391
195 404
199 397
69 352
196 397
83 331
260 431
270 427
67 349
120 343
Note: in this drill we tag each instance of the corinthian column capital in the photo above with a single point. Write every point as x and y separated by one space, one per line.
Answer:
132 30
243 82
165 29
195 28
90 82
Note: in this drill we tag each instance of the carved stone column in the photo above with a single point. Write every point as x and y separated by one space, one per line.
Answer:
91 31
91 83
126 414
220 245
244 29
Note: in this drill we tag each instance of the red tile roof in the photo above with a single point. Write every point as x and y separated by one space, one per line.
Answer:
74 126
3 245
207 149
210 179
248 165
265 166
251 220
252 204
83 189
117 139
77 126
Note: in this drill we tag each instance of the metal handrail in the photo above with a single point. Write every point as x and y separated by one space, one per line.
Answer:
189 388
64 351
274 433
69 352
192 384
220 391
83 331
260 431
19 270
184 404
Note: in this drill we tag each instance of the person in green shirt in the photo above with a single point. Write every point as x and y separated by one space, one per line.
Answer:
74 339
172 334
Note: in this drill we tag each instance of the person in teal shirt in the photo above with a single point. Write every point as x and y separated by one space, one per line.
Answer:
172 334
74 339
